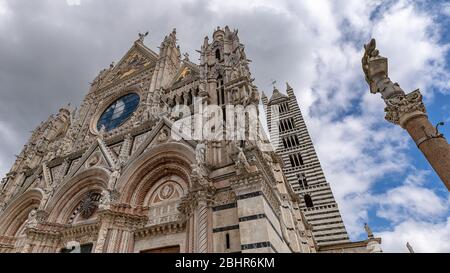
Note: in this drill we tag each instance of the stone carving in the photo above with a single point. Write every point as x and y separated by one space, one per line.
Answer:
32 220
101 76
369 52
166 191
142 36
241 162
116 172
200 153
400 105
93 160
107 198
375 68
89 204
48 193
368 231
162 136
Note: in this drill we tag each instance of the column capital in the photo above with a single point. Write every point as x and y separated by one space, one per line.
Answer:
401 108
201 196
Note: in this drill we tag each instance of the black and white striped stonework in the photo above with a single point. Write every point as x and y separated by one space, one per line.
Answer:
302 167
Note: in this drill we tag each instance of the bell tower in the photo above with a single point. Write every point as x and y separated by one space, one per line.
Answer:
290 137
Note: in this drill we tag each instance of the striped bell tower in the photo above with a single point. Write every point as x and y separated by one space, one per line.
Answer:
289 135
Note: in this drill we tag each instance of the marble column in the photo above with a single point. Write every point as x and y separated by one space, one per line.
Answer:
408 111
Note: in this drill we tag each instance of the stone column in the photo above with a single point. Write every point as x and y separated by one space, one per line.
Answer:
203 215
408 111
116 233
196 207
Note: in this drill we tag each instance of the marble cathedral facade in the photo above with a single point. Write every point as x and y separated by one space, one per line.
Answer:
121 175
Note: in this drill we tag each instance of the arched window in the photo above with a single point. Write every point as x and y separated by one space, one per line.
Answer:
218 54
308 201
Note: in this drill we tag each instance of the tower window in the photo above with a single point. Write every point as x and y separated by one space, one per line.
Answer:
301 178
283 107
296 160
290 141
286 124
308 201
218 54
227 241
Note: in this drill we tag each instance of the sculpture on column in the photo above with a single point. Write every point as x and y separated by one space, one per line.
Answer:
408 111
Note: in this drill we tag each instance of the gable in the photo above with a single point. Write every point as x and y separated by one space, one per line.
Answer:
186 73
160 134
138 58
97 155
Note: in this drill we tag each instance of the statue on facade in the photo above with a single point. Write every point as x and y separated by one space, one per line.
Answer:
241 161
368 231
115 174
105 200
32 220
142 36
200 153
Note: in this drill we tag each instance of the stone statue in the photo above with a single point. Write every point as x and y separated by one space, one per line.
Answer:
410 249
368 231
114 177
375 68
162 136
105 200
200 153
369 52
32 220
186 56
142 36
102 131
241 161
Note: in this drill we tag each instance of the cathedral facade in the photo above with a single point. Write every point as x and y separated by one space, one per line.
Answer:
166 155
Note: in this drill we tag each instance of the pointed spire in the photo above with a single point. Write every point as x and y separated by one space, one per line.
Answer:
289 90
288 86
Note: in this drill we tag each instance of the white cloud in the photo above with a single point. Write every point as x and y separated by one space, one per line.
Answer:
410 202
423 236
73 2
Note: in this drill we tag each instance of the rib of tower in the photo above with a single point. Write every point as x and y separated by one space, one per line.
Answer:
324 216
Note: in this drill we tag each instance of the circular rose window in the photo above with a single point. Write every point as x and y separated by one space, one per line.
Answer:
118 112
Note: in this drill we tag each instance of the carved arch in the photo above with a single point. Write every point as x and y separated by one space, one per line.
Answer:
68 197
164 160
16 214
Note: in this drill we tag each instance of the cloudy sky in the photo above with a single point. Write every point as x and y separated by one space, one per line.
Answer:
50 50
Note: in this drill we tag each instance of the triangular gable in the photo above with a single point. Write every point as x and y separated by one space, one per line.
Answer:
136 59
187 72
154 137
98 153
